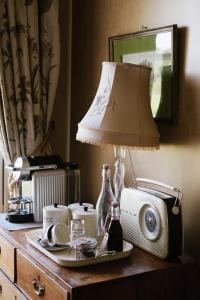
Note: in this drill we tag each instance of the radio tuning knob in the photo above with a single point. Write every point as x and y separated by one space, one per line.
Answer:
175 210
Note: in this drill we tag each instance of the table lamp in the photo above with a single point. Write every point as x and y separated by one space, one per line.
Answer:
120 115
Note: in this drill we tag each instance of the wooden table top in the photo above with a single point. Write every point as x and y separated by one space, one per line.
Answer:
139 262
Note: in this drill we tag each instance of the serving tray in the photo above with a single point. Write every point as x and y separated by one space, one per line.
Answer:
68 257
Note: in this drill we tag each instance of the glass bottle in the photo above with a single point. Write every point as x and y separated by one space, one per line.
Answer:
104 201
115 232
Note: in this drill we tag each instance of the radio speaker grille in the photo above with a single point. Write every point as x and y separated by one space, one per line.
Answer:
133 234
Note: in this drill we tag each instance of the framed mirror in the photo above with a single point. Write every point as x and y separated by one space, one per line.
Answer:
156 48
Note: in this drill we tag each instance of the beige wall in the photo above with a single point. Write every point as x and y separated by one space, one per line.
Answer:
178 161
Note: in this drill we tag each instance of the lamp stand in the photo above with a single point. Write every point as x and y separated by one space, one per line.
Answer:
119 173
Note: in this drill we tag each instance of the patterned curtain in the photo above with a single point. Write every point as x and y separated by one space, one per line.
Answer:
29 66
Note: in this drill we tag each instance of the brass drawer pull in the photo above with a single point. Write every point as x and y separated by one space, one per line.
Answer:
38 287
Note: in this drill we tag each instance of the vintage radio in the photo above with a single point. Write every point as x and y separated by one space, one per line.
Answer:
151 219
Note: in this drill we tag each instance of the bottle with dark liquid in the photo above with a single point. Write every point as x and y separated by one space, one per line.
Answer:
115 232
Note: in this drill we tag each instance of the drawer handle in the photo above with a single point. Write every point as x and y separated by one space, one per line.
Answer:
38 287
1 289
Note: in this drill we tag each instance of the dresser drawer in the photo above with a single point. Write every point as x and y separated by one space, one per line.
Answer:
35 283
8 291
7 258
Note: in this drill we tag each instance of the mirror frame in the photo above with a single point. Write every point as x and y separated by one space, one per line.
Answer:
128 43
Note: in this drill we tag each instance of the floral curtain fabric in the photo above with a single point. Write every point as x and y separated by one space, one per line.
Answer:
29 66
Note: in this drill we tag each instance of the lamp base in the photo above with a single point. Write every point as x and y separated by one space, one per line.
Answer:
118 177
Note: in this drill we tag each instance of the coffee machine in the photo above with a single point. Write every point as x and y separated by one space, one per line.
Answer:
45 180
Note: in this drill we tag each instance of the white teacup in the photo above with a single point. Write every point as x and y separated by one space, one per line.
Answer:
58 234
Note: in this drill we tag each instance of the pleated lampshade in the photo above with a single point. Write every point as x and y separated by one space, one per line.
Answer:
120 113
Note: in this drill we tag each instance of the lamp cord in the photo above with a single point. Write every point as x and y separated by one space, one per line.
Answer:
132 169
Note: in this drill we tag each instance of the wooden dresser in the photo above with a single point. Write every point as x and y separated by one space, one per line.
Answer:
28 274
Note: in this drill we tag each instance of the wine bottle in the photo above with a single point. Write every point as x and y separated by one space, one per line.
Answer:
115 232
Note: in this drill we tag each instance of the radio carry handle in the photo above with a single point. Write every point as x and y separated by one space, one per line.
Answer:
179 195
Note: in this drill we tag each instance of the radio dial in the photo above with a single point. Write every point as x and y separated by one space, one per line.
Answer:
149 220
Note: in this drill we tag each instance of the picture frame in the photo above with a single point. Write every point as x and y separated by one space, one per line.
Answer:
156 48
